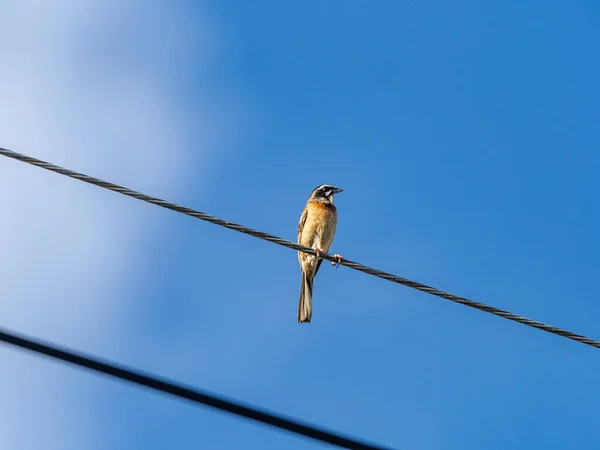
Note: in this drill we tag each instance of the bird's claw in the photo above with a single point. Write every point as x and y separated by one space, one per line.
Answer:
338 260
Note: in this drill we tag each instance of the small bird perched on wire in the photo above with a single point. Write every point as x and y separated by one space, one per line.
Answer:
316 230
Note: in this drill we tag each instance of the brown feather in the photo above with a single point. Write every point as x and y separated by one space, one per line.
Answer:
316 230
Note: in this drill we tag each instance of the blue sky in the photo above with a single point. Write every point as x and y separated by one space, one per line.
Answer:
465 137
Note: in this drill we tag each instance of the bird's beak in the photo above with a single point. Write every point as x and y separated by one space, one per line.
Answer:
337 190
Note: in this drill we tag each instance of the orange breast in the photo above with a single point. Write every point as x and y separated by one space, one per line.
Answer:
320 225
322 208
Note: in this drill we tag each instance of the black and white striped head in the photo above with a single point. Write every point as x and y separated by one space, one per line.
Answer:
324 193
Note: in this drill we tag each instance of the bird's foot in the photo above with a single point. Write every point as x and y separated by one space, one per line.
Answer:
318 252
338 260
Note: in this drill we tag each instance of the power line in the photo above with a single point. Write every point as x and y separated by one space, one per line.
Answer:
277 240
181 391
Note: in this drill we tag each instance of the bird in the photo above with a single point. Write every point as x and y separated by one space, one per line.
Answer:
316 230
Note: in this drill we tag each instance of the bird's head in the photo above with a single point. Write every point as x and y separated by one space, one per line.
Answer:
325 192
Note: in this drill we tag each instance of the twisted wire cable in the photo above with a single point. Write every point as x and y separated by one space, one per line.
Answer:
279 241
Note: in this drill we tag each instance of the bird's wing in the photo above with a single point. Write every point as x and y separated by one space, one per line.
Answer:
301 224
301 230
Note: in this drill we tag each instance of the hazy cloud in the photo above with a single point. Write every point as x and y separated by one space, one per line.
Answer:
91 85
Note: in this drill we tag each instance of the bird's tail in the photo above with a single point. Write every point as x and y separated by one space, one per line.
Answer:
305 305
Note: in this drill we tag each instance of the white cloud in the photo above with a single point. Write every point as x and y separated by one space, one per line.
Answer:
88 85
